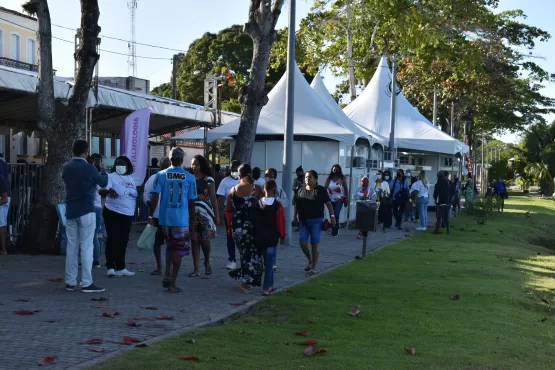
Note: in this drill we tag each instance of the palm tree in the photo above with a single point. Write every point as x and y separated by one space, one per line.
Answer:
540 172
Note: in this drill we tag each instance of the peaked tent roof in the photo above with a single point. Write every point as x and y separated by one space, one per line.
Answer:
320 88
371 110
312 116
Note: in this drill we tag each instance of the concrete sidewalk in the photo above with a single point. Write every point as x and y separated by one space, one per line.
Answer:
66 319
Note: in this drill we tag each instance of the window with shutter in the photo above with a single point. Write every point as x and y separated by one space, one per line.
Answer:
31 52
15 47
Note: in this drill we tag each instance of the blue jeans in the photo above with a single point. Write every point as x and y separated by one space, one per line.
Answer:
96 243
269 255
422 208
310 229
337 212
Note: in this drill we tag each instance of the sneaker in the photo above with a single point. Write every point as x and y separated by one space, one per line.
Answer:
231 265
70 288
92 289
96 264
111 272
420 229
312 272
124 272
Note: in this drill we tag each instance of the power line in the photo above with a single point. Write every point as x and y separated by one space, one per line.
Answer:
71 42
127 41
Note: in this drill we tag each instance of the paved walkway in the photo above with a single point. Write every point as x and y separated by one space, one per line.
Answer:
64 320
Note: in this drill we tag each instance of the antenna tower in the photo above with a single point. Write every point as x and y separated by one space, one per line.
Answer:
131 58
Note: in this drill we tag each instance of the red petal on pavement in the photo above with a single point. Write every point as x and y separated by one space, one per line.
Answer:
142 345
99 299
110 314
131 339
47 360
56 280
96 349
94 341
190 358
23 312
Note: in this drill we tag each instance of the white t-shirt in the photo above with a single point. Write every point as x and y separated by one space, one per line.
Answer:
421 188
97 198
226 185
126 201
147 195
260 182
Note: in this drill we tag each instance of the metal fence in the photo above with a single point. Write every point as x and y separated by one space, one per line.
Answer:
24 192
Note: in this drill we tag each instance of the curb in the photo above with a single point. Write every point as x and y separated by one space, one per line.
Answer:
219 318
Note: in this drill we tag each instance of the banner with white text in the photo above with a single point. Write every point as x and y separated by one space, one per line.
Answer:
134 142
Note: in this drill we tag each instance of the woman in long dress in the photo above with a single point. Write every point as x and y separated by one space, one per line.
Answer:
469 191
240 207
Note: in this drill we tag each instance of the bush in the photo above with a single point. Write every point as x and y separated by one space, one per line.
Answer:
481 209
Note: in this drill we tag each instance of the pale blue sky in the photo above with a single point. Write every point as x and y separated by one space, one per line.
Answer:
175 23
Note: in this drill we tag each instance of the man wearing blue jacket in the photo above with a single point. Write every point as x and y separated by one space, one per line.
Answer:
81 180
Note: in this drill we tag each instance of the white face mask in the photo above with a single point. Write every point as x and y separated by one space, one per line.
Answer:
235 175
408 174
121 170
379 177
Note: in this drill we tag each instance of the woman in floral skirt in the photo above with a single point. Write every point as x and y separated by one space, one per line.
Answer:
206 214
240 208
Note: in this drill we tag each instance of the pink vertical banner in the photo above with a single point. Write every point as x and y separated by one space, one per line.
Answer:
134 142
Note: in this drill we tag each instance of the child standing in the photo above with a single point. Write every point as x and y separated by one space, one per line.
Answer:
269 222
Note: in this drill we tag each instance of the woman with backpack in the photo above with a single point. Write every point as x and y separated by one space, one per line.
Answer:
338 191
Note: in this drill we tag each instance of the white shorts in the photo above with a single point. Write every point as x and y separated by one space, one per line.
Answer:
4 209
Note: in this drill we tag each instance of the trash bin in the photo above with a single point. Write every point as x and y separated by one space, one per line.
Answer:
367 215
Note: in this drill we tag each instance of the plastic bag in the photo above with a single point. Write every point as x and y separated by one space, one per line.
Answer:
146 240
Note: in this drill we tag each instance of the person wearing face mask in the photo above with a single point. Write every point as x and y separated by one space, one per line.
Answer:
118 214
400 195
297 184
382 190
409 210
365 192
225 186
338 191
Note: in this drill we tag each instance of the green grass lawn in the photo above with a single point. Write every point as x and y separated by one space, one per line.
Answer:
404 292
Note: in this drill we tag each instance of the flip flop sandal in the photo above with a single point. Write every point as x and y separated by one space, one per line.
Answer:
193 274
208 269
155 273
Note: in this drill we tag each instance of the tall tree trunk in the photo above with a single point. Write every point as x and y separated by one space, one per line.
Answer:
59 124
350 60
261 26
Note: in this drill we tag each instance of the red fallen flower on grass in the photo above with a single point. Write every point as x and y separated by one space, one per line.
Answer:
47 360
110 314
309 342
302 333
96 349
190 358
23 312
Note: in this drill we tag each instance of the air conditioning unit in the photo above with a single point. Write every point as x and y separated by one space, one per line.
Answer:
358 162
373 164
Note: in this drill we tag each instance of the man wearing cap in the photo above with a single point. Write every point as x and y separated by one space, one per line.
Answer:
176 188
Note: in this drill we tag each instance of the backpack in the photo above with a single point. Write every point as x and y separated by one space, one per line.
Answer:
403 193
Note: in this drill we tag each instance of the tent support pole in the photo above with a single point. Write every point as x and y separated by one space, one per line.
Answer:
350 185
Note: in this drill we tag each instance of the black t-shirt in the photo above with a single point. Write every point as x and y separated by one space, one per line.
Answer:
310 203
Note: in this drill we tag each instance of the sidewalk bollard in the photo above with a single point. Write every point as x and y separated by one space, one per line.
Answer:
366 220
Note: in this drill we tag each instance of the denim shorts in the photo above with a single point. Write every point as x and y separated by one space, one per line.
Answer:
310 228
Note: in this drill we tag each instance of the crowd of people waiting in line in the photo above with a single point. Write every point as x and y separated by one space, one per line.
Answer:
186 205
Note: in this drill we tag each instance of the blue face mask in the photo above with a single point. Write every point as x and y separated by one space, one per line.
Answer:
386 177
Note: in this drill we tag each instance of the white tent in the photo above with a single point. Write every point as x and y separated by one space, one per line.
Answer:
320 88
197 134
312 116
413 131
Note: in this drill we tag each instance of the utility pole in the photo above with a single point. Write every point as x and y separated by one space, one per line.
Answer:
287 179
393 110
174 77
